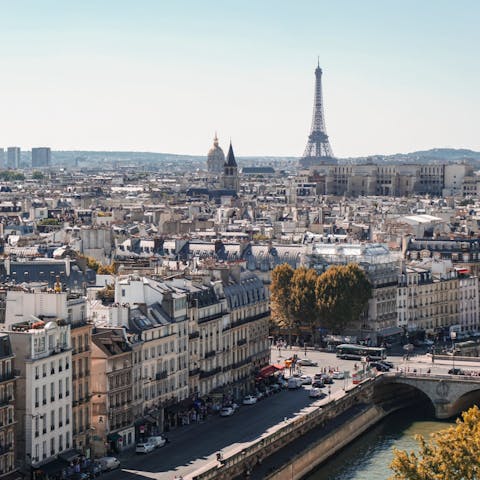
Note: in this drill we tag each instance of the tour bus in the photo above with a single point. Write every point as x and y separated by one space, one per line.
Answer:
357 352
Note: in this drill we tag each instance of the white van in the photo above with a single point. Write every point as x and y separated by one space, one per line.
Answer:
294 383
158 441
109 463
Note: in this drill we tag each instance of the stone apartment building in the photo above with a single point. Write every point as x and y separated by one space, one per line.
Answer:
8 449
43 360
428 302
111 378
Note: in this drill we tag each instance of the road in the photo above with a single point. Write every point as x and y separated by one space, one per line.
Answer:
194 446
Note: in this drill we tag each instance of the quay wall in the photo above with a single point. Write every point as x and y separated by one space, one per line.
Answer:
245 459
320 451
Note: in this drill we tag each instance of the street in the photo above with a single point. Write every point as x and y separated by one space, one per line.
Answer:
194 446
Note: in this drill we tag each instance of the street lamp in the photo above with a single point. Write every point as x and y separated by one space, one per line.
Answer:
329 391
453 336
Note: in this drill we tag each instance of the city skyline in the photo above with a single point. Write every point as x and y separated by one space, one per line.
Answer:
164 78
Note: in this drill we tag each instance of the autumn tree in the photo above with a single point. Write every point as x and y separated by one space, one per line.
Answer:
451 454
303 300
280 290
342 293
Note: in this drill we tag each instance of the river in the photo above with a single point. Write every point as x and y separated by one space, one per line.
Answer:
369 457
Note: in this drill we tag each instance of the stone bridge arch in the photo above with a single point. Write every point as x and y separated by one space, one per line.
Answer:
449 394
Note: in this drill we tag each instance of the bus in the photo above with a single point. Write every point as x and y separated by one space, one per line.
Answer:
357 352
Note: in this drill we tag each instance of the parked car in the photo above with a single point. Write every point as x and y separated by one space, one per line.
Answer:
306 380
158 441
276 387
294 383
226 411
316 393
318 384
318 376
109 463
259 395
144 447
327 379
249 400
283 383
388 364
338 375
456 371
306 362
379 366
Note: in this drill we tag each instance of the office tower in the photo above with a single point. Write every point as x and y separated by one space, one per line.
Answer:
41 157
13 157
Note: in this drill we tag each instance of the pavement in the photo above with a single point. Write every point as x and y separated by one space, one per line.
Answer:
193 447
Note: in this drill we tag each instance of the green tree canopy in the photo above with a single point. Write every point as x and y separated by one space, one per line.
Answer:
342 293
452 454
38 175
280 290
303 300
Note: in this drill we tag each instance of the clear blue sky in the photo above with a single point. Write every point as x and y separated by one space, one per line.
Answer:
165 75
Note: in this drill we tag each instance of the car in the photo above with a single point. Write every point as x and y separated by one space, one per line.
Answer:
249 400
109 463
456 371
227 411
294 383
144 447
158 441
388 364
327 379
338 375
306 380
315 393
379 366
318 376
259 395
283 383
318 384
276 387
306 362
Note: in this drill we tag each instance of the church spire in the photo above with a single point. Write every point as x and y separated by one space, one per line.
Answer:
230 162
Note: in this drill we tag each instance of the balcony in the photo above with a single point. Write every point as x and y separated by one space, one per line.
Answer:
242 341
210 354
161 375
193 335
209 318
194 372
209 373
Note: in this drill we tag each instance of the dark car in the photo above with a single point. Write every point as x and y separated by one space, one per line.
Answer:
318 384
388 364
379 366
456 371
327 379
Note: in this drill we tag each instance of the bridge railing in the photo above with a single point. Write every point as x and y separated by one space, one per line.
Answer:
434 376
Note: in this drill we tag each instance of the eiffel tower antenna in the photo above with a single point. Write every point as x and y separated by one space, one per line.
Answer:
318 150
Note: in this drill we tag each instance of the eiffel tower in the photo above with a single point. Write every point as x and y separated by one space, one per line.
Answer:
318 150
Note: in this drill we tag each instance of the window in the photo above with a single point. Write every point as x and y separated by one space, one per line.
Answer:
44 394
52 392
37 399
44 369
37 373
52 446
52 367
60 417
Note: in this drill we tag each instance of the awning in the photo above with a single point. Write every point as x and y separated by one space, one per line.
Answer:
69 455
113 437
149 419
53 467
389 331
269 370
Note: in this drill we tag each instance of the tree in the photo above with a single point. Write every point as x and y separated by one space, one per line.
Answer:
280 290
342 293
36 175
304 308
452 454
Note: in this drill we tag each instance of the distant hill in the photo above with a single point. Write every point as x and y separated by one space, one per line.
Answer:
181 162
434 155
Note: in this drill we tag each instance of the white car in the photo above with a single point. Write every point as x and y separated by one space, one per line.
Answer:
144 447
306 380
158 441
315 393
227 411
249 400
338 375
108 463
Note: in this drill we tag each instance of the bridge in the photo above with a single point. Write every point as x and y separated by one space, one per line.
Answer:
448 394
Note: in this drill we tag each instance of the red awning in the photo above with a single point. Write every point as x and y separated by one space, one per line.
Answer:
269 370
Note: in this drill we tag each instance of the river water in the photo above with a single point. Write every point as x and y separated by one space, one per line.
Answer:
369 457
